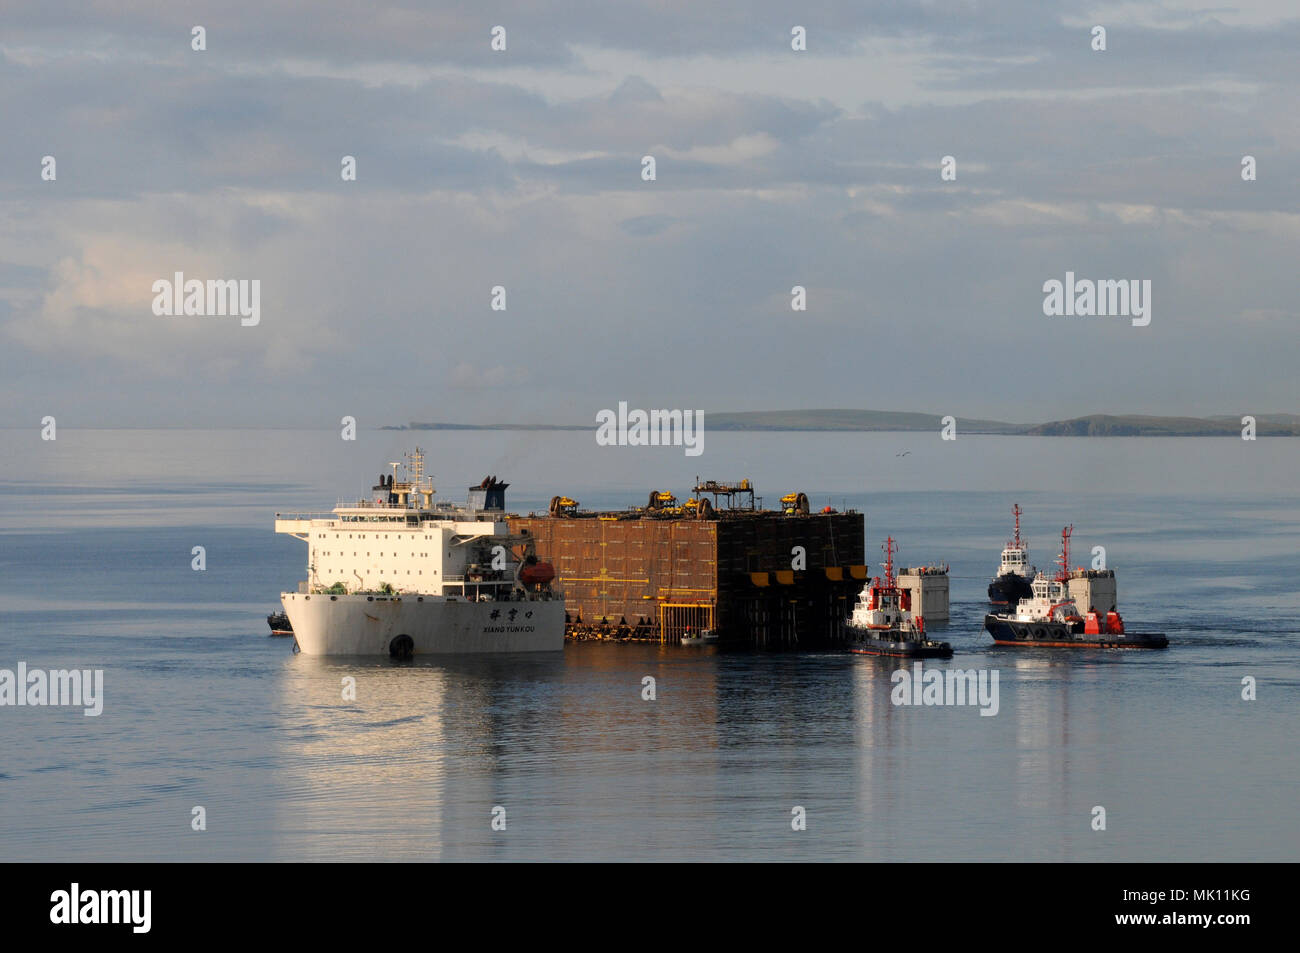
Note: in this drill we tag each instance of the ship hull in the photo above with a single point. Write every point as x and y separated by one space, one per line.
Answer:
1007 631
421 625
1008 589
875 642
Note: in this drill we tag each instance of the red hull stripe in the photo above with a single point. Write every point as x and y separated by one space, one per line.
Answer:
1074 645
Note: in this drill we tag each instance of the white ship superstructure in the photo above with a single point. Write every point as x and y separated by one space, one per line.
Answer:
400 574
1015 561
1050 601
1011 583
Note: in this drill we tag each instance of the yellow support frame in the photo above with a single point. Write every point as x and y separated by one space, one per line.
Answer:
681 616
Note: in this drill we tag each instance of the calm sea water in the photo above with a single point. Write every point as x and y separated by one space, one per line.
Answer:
203 709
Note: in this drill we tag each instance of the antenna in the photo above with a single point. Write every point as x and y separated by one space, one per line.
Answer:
1064 559
415 466
1016 509
889 561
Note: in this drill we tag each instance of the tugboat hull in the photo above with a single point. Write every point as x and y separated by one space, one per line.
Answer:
1045 634
861 643
1008 589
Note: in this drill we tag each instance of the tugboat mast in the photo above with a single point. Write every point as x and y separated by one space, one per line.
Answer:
1064 558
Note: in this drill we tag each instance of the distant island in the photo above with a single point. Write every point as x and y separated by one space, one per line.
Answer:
1094 425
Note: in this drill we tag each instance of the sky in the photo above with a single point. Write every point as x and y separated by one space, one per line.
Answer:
522 169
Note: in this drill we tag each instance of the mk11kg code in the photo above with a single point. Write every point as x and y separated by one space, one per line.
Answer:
1157 896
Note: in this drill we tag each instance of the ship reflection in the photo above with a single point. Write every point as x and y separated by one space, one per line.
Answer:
589 760
925 780
881 778
566 744
411 761
1053 813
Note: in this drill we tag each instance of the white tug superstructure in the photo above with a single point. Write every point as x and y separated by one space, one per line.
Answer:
1050 601
1015 561
401 575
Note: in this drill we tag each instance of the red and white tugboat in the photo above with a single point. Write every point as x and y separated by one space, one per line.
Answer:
882 622
1049 618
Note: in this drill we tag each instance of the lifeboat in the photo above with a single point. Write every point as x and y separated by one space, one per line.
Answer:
536 574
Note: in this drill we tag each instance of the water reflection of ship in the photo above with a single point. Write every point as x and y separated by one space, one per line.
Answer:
1045 749
413 766
887 766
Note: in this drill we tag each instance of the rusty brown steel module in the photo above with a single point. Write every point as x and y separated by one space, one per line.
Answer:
655 574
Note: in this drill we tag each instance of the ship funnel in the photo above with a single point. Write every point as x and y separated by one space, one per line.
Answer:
488 495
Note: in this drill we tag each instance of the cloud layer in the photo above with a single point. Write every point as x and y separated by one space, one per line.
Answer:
522 169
